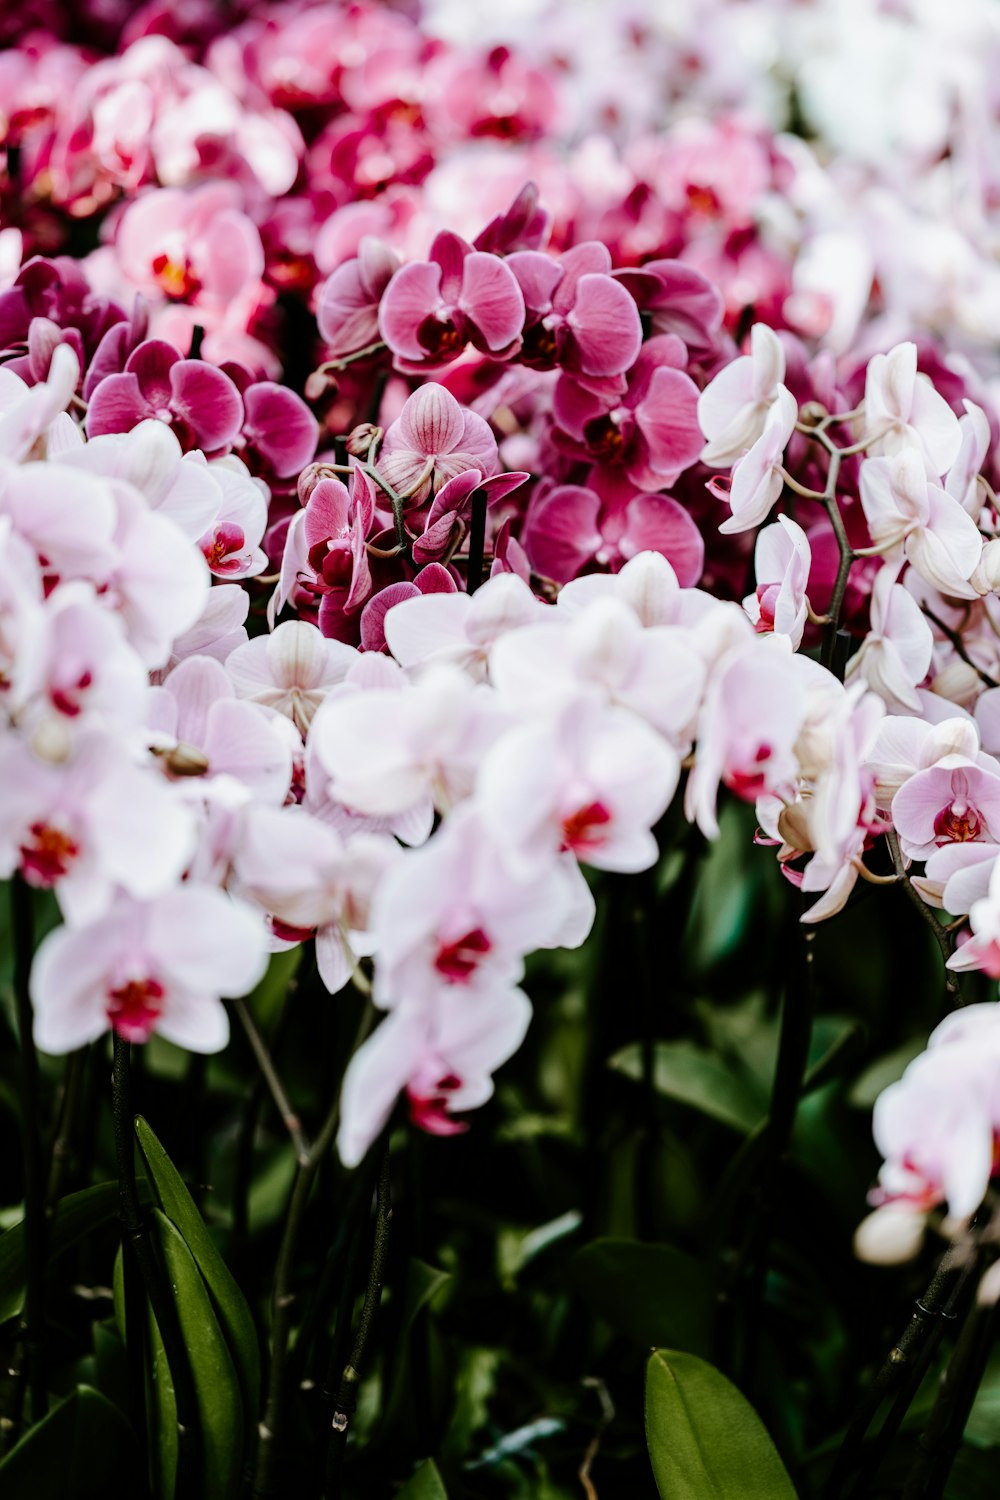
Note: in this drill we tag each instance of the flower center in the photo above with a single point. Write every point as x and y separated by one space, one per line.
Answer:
604 437
222 549
429 1111
134 1008
48 856
457 961
959 823
539 350
586 828
440 335
176 280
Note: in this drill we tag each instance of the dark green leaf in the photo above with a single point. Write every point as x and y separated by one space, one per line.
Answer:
83 1450
228 1301
834 1042
694 1076
653 1294
425 1484
78 1215
884 1071
216 1386
705 1440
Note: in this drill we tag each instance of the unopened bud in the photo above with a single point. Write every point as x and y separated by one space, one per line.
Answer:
311 476
958 682
986 578
812 413
892 1234
361 438
320 386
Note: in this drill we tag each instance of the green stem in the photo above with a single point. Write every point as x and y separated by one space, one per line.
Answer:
941 935
289 1118
346 1399
33 1327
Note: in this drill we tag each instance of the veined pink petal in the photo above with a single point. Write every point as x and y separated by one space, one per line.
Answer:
668 420
657 523
151 364
413 294
209 401
491 299
116 405
432 421
280 427
561 531
606 327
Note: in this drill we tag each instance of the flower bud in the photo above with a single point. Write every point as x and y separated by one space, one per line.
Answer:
890 1235
320 385
361 438
959 682
311 476
986 578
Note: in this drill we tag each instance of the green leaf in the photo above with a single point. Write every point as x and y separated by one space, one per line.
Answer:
696 1077
164 1438
653 1294
83 1450
883 1071
425 1485
834 1043
230 1305
216 1386
705 1440
77 1215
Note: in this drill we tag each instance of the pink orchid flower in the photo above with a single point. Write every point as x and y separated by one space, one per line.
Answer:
577 316
908 513
678 299
449 515
231 544
781 562
650 430
432 309
431 580
442 1056
734 407
954 801
460 628
347 309
291 670
199 402
962 480
896 654
432 440
908 413
591 780
143 967
279 433
756 480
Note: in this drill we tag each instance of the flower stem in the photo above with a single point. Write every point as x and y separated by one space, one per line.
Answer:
477 542
33 1326
289 1118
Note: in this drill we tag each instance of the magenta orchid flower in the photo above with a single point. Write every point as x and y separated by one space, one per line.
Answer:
143 967
432 309
448 517
199 402
568 527
577 316
678 299
432 579
650 430
347 309
279 433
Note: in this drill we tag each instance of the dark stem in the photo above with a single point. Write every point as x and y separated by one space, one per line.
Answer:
64 1144
269 1072
897 1365
477 541
941 934
346 1399
33 1326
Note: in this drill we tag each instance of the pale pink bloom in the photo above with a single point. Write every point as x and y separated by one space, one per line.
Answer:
27 411
576 315
987 716
85 669
908 513
451 915
982 951
782 559
348 302
937 1126
387 750
592 780
178 485
190 245
902 746
896 654
432 309
23 628
231 544
432 579
220 628
753 712
69 519
159 583
291 670
197 710
91 825
460 628
150 966
908 413
432 440
733 408
311 881
963 477
956 876
443 1056
602 652
756 479
954 801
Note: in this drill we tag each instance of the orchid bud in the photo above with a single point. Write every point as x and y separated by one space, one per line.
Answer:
311 476
361 438
321 385
890 1235
986 577
959 682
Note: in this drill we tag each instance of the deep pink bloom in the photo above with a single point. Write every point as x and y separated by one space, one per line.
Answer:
568 527
447 520
678 299
650 431
199 402
433 579
523 226
279 433
577 316
433 308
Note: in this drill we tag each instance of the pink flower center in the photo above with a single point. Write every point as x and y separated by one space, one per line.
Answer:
430 1111
539 350
959 823
457 961
440 336
48 856
586 828
226 543
134 1008
605 437
747 781
65 698
176 281
767 598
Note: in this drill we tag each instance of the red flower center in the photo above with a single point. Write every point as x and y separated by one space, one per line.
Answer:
959 823
460 959
48 856
134 1008
176 280
585 828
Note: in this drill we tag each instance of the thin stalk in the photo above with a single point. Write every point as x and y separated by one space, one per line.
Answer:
33 1326
332 365
908 1349
396 501
959 645
63 1147
940 1441
477 541
941 934
289 1118
346 1399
